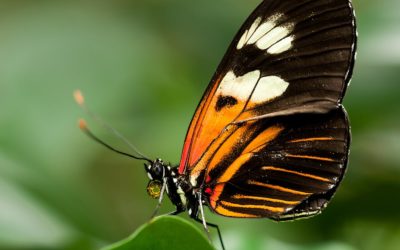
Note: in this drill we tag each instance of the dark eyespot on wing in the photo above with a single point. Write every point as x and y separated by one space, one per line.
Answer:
225 101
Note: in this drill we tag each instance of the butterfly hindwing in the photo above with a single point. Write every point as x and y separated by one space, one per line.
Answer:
289 57
286 168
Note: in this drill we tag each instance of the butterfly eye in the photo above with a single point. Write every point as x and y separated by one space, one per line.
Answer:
154 189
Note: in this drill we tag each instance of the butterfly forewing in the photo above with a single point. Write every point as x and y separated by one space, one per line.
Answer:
269 137
289 57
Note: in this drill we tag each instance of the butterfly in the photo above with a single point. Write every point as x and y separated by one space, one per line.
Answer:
270 137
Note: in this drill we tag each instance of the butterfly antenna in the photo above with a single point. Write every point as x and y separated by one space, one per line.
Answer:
80 100
83 126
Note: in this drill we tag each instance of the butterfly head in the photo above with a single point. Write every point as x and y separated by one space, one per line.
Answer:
156 170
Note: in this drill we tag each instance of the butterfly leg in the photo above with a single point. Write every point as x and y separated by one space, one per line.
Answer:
159 199
216 227
177 211
203 219
207 224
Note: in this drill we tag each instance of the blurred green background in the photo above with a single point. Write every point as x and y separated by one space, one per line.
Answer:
143 66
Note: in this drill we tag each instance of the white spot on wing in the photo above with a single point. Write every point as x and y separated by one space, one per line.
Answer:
242 40
268 88
248 33
253 28
238 87
150 177
257 30
273 36
281 46
262 30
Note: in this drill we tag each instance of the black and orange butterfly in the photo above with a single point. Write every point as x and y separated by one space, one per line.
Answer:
270 137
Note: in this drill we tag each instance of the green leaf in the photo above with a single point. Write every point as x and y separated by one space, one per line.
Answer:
166 232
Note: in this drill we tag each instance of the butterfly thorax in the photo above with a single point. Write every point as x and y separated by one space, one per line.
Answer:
178 188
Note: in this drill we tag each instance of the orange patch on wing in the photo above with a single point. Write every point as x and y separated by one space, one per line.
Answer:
195 126
269 208
216 192
248 112
189 139
263 138
226 147
250 197
222 211
312 139
315 177
234 167
211 127
283 189
310 157
208 124
204 161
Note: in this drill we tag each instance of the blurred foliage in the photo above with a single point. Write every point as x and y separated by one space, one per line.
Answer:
161 234
143 66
